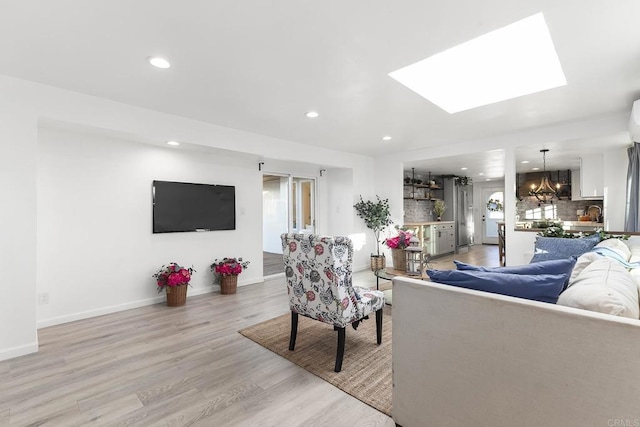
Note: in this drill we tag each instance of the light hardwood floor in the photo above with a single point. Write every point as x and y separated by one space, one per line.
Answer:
271 263
177 366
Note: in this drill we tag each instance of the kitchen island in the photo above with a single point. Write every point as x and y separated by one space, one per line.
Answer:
436 237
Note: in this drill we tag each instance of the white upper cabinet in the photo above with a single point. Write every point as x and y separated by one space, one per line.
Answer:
592 176
575 185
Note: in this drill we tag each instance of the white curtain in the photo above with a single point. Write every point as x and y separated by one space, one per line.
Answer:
632 211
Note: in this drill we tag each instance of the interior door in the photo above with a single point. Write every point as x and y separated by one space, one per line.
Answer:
491 218
275 211
303 205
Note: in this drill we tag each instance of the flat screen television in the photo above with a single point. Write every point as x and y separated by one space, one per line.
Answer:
181 206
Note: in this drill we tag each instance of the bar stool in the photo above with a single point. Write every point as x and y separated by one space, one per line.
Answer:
502 251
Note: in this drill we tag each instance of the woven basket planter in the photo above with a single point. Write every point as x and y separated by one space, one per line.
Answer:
228 285
378 262
176 295
399 259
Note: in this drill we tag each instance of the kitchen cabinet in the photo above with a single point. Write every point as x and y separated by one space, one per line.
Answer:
436 237
592 176
445 239
575 188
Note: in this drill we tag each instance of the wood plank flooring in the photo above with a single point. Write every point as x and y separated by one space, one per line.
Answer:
271 263
179 366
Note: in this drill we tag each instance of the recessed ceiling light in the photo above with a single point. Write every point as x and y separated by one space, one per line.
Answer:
525 162
173 143
487 179
386 138
481 173
312 114
535 169
158 62
506 63
463 169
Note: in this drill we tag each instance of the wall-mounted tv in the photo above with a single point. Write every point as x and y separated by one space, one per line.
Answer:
181 206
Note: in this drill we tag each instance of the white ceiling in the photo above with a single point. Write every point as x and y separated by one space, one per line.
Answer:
259 65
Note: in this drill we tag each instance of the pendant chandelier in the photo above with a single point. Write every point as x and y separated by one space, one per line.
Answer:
544 192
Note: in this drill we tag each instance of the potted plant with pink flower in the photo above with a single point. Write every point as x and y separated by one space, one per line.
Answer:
397 244
174 279
225 273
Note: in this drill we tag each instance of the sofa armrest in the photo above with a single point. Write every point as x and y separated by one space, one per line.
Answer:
464 357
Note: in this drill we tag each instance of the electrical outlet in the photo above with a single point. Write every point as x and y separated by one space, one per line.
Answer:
43 298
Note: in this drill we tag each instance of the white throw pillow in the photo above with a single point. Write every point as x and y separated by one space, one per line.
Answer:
635 251
583 262
635 274
606 287
617 246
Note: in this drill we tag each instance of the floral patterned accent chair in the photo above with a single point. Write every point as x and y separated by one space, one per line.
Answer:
318 271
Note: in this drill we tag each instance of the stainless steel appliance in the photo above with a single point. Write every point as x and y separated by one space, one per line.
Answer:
459 201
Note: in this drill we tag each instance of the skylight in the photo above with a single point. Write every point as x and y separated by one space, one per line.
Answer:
512 61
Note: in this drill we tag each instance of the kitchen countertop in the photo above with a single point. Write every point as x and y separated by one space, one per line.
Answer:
575 226
416 224
583 223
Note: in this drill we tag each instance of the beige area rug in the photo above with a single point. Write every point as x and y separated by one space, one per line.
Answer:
366 367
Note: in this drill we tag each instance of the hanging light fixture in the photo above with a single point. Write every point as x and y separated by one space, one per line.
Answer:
544 192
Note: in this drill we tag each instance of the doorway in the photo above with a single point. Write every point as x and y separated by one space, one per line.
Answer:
288 206
493 213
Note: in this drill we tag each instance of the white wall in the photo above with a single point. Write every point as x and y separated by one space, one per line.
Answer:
339 185
96 249
17 226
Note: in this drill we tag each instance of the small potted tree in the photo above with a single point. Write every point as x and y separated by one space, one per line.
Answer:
438 208
376 216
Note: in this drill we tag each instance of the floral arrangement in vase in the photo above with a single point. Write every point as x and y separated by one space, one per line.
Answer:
398 244
228 267
172 275
225 273
401 241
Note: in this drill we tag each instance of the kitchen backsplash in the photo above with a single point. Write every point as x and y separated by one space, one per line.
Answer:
564 209
418 210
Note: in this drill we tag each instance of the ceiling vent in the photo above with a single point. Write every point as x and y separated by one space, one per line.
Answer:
634 122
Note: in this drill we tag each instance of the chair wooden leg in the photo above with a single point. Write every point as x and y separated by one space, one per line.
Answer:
340 351
294 330
379 326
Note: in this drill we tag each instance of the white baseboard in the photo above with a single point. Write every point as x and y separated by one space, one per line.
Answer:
358 268
10 353
127 306
98 312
